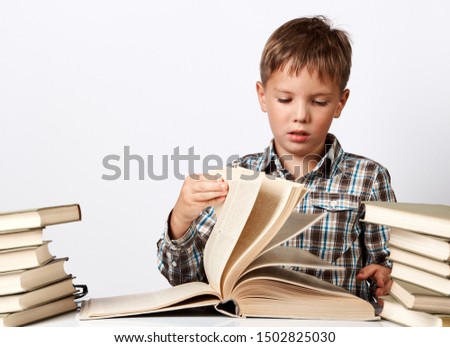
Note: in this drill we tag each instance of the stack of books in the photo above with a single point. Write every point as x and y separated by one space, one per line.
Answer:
34 284
420 252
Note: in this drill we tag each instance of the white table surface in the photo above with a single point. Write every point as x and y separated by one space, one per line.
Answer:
196 318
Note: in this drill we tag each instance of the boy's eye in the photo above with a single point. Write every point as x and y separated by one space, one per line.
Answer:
320 102
284 101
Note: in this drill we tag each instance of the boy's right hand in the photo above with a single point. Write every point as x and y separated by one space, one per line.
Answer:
197 193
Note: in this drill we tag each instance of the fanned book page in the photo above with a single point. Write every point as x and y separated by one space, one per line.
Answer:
291 256
275 202
231 220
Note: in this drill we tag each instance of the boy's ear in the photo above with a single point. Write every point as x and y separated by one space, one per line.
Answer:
261 96
341 104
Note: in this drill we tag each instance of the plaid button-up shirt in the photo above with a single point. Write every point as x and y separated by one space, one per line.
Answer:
338 184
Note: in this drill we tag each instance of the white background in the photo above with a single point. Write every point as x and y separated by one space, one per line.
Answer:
80 80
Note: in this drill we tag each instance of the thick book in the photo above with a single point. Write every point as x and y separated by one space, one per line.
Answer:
38 313
431 219
430 246
421 278
243 262
19 281
420 299
421 262
396 312
21 238
25 257
40 296
37 218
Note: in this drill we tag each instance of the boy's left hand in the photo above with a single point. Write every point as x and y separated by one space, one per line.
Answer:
381 275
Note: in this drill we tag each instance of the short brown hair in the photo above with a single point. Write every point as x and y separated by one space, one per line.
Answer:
310 42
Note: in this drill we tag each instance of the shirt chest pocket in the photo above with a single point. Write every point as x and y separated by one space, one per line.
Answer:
335 234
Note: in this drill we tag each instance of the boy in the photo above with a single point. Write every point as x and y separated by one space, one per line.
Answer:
304 70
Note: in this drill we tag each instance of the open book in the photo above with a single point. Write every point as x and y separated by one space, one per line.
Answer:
243 259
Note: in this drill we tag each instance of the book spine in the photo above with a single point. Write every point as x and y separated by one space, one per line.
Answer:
60 214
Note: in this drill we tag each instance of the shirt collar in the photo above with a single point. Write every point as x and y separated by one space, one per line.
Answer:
327 166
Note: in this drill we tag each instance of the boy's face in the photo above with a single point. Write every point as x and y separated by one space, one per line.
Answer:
300 110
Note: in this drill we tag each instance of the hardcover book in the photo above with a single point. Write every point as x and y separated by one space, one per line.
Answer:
419 298
21 238
38 313
36 297
25 257
23 280
429 246
430 219
421 278
396 312
433 266
37 218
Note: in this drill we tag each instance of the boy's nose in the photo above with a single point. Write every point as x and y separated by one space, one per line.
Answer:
301 114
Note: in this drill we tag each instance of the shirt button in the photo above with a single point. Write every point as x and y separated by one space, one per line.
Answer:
333 203
174 264
169 255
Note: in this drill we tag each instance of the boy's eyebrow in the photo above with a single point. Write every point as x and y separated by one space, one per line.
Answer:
282 91
324 93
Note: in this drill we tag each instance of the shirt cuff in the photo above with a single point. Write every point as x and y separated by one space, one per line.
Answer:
182 241
387 263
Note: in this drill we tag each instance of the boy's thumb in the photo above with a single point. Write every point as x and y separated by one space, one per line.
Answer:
362 275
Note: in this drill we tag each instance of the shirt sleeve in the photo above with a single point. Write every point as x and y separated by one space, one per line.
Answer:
181 260
376 236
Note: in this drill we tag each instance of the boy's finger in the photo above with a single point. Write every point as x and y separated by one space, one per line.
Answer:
205 177
210 186
382 291
198 177
365 273
210 177
208 196
217 200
